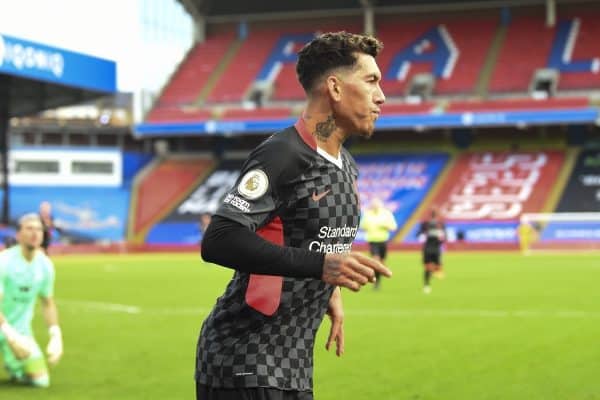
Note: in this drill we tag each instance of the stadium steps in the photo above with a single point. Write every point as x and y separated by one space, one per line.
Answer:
562 179
169 79
426 203
133 199
218 72
175 179
483 82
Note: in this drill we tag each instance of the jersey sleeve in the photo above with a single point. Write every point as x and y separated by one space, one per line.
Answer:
47 286
259 190
391 221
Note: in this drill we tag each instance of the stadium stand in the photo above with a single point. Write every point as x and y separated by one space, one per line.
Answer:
257 113
467 39
453 48
242 70
193 72
585 50
482 65
408 108
484 193
178 114
260 49
173 177
570 47
180 226
518 57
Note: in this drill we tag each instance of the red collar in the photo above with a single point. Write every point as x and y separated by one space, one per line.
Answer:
309 139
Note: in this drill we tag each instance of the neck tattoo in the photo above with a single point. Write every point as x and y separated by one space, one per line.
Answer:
324 129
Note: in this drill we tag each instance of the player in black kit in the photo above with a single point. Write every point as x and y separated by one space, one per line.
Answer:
433 235
286 228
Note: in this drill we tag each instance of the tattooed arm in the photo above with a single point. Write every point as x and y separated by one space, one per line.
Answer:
352 270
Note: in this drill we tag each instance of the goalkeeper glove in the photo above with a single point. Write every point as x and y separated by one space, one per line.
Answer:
20 345
55 345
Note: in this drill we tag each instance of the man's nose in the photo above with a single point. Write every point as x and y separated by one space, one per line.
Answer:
379 96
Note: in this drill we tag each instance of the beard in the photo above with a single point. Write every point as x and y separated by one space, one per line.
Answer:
30 247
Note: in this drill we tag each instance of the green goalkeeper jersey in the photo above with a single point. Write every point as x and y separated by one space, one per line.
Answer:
21 282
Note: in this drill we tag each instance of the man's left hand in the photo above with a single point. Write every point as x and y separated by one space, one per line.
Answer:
55 345
336 314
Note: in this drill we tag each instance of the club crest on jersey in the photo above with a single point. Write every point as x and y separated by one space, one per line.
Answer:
254 184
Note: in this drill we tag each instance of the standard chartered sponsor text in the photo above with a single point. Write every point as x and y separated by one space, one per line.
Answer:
327 232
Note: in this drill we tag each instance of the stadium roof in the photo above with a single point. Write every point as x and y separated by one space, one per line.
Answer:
218 11
35 77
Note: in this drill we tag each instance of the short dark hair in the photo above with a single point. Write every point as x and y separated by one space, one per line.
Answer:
332 50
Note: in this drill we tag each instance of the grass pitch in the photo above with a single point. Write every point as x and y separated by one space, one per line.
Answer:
500 326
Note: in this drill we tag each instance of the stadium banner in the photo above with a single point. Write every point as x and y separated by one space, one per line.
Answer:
570 231
37 61
401 181
181 226
90 214
385 122
483 231
582 193
485 193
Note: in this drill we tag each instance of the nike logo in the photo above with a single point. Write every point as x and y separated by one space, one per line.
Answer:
317 197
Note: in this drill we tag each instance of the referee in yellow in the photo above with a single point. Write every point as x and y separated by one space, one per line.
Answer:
378 222
526 234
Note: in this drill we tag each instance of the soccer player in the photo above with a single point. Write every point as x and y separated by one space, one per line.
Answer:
433 234
286 228
47 223
378 222
25 274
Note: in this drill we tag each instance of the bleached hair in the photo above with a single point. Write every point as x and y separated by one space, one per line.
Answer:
29 217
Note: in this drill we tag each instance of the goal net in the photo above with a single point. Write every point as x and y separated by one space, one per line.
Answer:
560 231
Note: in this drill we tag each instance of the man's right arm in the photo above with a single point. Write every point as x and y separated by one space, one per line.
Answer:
19 344
230 244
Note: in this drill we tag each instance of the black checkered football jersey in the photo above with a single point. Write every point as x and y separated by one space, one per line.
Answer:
261 331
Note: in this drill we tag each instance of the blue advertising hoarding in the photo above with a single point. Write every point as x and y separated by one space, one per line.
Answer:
94 213
37 61
407 121
401 181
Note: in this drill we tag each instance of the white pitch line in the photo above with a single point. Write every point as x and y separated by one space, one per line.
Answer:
178 311
101 306
400 313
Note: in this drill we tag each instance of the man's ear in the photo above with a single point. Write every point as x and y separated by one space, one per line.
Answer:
334 87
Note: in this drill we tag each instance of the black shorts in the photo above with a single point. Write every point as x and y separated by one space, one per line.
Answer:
431 257
378 249
204 392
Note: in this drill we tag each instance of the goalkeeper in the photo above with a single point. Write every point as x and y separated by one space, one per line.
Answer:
26 273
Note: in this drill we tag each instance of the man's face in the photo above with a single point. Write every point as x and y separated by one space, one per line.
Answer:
360 97
31 234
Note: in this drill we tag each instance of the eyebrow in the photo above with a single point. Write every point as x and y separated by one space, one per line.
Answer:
373 75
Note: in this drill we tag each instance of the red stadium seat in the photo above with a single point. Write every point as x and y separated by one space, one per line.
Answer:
526 48
471 37
191 76
259 113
